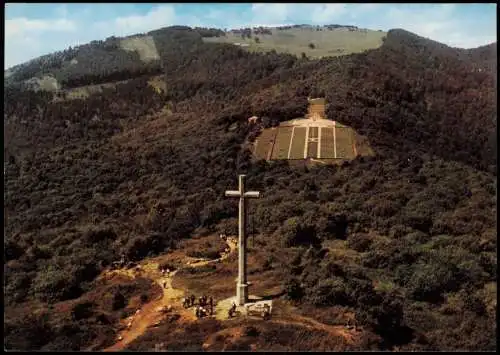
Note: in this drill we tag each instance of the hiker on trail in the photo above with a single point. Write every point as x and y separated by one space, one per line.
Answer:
193 298
197 312
185 303
168 272
200 312
200 300
162 271
266 312
164 284
211 303
232 310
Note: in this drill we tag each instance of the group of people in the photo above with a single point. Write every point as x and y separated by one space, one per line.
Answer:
203 302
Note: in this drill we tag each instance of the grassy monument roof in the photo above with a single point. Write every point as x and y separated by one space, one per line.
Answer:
312 137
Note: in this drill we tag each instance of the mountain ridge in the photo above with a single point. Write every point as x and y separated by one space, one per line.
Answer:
50 64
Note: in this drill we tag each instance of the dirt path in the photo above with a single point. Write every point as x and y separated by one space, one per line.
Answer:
335 330
149 314
233 334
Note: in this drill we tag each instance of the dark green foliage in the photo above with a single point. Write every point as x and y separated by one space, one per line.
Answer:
359 242
28 332
118 301
12 250
419 218
82 310
294 233
293 289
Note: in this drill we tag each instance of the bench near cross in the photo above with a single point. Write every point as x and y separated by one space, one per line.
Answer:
242 286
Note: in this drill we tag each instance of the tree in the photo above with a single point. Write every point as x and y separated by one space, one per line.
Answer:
311 45
257 40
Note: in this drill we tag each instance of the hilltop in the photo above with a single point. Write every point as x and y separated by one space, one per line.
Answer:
404 242
140 54
302 40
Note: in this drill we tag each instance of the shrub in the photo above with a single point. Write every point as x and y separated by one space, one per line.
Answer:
52 284
250 331
294 233
99 235
82 310
359 241
205 254
28 332
12 250
293 289
119 301
329 292
429 281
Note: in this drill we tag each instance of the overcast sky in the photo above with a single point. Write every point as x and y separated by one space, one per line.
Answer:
32 30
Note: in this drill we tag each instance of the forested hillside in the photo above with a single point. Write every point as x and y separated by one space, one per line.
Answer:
133 171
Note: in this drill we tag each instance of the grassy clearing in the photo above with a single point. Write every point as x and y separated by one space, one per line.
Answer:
144 46
327 43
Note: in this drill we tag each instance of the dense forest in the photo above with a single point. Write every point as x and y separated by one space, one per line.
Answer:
88 179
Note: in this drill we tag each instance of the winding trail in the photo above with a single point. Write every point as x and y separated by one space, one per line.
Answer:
149 314
310 323
232 334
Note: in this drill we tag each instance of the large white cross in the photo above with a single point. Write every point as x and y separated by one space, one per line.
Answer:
242 286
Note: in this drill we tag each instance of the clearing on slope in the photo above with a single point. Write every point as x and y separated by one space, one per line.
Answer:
326 42
143 45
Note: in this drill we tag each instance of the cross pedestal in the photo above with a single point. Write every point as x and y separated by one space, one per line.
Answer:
242 285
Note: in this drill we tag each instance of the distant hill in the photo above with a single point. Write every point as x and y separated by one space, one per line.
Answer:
115 59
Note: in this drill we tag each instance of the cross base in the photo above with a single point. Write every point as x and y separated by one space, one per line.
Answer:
241 294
